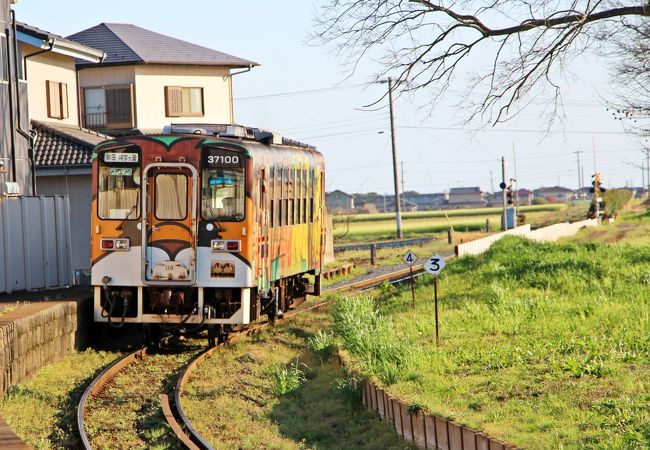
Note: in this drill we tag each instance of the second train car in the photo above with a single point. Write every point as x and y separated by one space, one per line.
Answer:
205 226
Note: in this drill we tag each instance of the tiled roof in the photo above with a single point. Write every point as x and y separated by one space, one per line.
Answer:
59 145
60 44
129 44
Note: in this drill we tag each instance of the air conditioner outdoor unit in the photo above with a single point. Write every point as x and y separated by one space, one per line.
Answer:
9 189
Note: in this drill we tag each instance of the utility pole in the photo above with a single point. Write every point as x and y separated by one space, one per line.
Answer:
491 182
514 161
647 168
403 191
643 178
398 209
504 225
577 152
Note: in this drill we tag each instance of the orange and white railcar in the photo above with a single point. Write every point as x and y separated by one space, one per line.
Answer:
207 225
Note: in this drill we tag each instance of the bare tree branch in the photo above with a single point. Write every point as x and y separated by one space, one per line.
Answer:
424 44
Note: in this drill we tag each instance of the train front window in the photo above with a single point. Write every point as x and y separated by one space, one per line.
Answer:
118 192
223 194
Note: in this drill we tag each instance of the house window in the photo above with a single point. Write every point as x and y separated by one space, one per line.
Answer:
109 107
57 100
183 101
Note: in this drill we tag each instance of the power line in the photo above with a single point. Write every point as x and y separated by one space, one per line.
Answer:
297 93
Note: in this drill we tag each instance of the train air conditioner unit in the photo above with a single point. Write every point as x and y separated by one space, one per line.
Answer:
9 189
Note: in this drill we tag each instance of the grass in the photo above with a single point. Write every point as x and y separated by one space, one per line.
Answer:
543 345
233 400
43 410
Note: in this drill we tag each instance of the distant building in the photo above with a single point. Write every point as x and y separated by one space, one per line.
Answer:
525 197
555 194
339 202
467 196
428 201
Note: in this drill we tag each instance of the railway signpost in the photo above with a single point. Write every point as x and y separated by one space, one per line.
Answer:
434 266
410 258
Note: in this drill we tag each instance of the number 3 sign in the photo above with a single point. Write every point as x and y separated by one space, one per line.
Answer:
435 264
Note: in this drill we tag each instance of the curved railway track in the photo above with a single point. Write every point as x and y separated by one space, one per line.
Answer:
170 401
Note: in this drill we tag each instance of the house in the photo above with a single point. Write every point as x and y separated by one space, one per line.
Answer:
61 150
15 139
149 80
524 196
466 196
428 201
339 202
555 194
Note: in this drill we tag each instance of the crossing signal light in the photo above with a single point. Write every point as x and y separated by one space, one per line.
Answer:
596 184
510 193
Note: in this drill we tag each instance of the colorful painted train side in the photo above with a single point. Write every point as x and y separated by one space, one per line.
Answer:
210 226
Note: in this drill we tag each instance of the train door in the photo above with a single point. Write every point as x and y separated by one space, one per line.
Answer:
169 244
263 223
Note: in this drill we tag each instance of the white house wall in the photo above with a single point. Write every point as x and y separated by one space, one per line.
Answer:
150 93
50 67
106 76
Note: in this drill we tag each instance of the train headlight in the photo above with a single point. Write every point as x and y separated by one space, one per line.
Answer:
225 246
122 244
113 244
218 246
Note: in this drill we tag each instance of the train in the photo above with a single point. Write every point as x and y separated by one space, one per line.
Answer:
205 226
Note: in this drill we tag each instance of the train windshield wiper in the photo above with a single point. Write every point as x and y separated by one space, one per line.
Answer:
133 209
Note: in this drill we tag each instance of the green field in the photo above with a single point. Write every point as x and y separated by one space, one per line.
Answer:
363 227
542 345
463 212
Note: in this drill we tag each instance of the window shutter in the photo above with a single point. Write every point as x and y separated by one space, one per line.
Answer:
64 101
118 105
173 101
53 100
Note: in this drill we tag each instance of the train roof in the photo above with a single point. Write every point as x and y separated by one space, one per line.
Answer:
236 132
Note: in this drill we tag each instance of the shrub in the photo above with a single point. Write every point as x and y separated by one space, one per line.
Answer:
352 389
322 343
286 379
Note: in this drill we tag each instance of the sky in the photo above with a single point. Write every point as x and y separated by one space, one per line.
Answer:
303 92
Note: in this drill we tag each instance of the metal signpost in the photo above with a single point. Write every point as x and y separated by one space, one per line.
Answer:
410 258
434 266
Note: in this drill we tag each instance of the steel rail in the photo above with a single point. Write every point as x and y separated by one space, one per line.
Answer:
98 384
174 412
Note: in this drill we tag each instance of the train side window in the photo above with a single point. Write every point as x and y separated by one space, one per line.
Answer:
118 193
292 190
311 196
304 196
285 201
271 196
296 196
171 196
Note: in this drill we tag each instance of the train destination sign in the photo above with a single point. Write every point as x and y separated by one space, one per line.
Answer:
115 157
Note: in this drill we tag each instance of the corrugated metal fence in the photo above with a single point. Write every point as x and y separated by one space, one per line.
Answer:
34 243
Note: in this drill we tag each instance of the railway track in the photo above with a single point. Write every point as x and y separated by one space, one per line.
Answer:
170 403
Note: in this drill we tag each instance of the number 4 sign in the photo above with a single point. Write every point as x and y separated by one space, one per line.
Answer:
410 258
435 264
